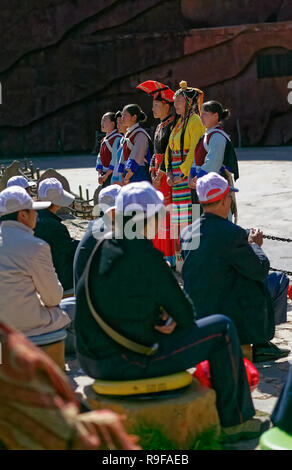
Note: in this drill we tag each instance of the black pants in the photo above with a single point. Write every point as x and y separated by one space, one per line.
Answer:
213 338
282 414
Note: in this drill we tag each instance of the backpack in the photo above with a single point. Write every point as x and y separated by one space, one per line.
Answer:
230 157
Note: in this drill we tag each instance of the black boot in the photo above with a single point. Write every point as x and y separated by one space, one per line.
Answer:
268 352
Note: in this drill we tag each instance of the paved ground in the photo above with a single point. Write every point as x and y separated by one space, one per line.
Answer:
264 201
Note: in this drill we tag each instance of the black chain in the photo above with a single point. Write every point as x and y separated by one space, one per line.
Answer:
272 237
289 273
279 239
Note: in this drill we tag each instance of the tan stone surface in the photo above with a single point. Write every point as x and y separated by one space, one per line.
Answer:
180 418
56 351
76 60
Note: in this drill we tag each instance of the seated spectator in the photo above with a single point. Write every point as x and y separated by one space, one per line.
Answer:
20 181
96 228
29 287
145 294
228 272
282 413
50 228
38 408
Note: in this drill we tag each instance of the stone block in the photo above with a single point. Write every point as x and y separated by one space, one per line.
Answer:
247 351
181 418
56 351
11 170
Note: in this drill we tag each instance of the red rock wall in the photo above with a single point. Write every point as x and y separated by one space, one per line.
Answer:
62 65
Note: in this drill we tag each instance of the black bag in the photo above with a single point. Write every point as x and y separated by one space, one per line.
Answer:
230 159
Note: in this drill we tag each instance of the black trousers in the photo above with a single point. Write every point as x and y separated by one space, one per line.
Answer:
213 338
282 413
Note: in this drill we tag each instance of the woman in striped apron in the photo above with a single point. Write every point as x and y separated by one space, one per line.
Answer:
179 156
162 110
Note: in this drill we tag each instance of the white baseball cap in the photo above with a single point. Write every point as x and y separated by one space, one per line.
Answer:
15 198
107 197
50 189
212 187
19 181
140 197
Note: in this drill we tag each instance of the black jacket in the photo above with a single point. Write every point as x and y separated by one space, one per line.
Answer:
50 228
227 275
129 281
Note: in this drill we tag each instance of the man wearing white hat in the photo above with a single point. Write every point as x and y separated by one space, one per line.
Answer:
97 228
50 228
228 271
20 181
119 333
29 287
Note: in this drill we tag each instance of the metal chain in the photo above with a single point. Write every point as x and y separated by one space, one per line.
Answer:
289 273
272 237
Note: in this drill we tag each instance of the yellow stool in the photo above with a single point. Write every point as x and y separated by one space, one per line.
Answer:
143 386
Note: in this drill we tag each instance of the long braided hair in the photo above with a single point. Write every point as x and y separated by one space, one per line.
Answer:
194 99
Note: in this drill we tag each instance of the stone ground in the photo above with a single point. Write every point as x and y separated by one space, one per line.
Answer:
264 201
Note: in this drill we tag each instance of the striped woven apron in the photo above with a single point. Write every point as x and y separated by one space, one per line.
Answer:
181 195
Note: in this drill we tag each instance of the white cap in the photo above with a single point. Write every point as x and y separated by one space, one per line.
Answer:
212 187
19 181
107 197
141 197
15 198
52 190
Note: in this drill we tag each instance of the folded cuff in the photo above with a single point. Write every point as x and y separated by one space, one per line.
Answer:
201 173
132 165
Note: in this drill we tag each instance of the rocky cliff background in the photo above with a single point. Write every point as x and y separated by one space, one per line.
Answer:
63 63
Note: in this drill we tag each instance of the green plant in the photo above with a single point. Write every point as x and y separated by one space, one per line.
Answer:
153 438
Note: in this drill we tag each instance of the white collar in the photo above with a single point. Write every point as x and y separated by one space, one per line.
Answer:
111 134
213 128
130 129
15 224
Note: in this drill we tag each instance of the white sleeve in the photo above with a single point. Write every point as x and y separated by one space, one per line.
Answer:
215 156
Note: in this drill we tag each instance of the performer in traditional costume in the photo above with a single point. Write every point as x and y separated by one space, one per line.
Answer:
108 148
135 158
116 176
214 151
180 153
162 109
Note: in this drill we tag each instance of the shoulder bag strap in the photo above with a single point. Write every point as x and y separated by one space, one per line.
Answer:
117 337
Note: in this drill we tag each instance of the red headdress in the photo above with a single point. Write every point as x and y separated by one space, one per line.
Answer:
157 90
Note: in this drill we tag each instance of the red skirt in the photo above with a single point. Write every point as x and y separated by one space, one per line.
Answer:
162 240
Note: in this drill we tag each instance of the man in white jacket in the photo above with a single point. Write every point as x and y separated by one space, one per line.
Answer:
29 287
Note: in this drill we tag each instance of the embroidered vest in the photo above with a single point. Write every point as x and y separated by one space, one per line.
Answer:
203 144
106 148
129 141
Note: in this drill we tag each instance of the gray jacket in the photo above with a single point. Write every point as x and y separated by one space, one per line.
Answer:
29 287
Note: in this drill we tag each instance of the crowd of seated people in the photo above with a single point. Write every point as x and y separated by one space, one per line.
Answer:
227 298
